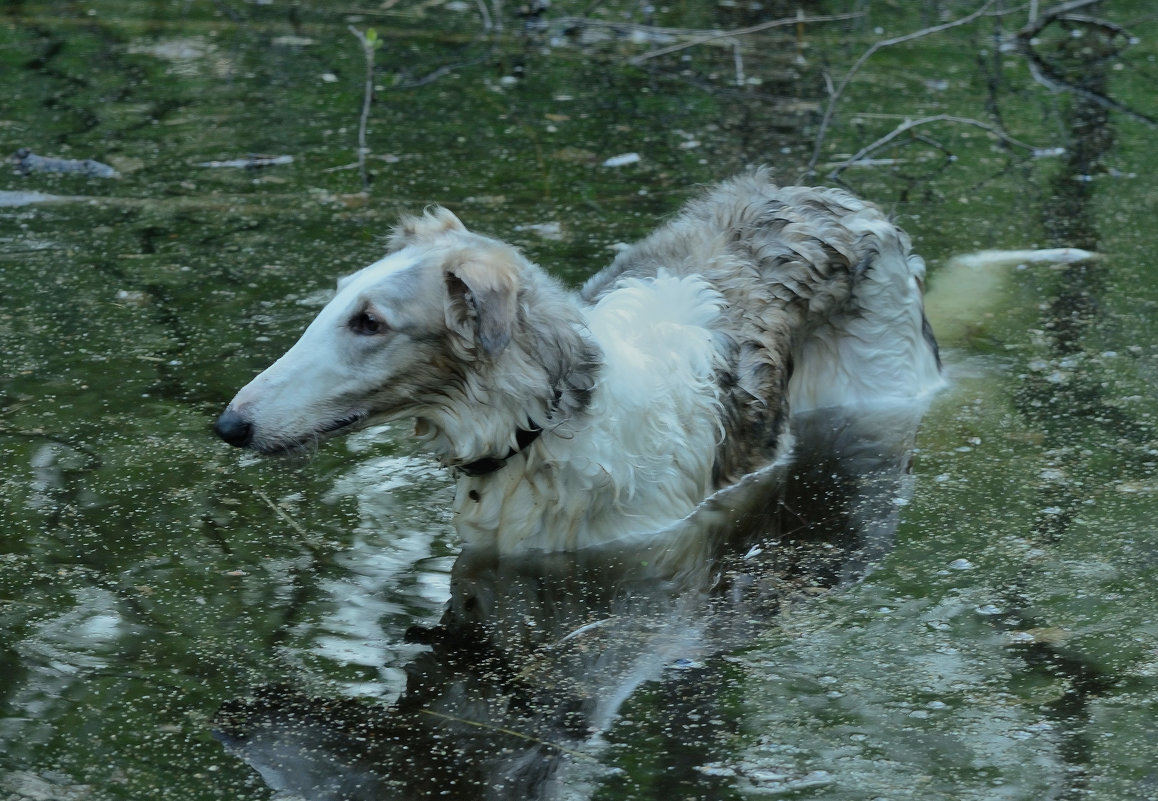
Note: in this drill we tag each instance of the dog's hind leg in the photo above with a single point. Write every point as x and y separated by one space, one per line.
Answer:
879 348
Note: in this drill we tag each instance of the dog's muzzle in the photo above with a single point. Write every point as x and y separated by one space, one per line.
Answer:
234 429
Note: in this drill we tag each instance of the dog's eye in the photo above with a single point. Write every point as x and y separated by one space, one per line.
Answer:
366 324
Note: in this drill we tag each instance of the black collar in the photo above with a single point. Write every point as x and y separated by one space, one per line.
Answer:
490 464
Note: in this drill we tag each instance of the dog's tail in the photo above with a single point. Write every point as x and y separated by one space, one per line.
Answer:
970 286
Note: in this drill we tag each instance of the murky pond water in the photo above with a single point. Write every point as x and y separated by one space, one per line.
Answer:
179 622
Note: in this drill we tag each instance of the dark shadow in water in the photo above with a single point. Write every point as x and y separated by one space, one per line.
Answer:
535 654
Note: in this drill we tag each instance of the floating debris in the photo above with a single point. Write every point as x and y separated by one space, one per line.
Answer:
253 161
25 161
292 41
548 230
622 160
18 198
132 297
1051 635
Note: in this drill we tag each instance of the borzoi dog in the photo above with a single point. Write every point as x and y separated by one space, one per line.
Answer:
580 420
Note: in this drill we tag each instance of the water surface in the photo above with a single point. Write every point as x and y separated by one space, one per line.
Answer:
177 621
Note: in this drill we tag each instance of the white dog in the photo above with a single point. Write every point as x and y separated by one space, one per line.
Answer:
575 421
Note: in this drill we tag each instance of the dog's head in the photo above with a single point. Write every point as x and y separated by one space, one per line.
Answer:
408 336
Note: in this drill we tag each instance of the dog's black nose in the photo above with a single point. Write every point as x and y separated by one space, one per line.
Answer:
234 429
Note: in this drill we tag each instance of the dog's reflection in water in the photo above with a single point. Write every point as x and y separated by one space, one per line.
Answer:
535 654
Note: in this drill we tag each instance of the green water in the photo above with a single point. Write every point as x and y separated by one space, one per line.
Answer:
1004 647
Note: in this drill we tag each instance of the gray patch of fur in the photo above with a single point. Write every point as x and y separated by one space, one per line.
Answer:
784 261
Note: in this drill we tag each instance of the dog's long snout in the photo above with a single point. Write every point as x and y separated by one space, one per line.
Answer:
233 428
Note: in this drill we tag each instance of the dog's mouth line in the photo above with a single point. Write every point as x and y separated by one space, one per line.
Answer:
331 429
349 421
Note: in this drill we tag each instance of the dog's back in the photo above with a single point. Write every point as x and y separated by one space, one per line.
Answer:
823 305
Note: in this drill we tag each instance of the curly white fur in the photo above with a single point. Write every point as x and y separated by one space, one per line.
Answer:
644 446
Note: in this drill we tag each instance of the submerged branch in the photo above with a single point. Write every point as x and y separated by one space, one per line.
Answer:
434 75
1048 77
1055 83
1036 24
909 125
295 525
763 26
504 730
835 95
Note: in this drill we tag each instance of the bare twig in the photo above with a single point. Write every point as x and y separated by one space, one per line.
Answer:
909 125
763 26
295 525
485 13
492 24
835 96
434 75
370 42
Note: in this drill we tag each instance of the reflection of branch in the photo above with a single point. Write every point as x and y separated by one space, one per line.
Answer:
1048 77
504 730
1036 25
763 26
93 458
1112 28
433 76
490 24
1055 83
834 96
368 46
909 125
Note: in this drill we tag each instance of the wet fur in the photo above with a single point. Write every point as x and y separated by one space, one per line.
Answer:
800 269
670 375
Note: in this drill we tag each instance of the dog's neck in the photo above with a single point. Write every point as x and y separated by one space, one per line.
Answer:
516 416
540 383
490 464
571 396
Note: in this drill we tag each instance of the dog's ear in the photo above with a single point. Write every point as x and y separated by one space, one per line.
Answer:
411 229
482 299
